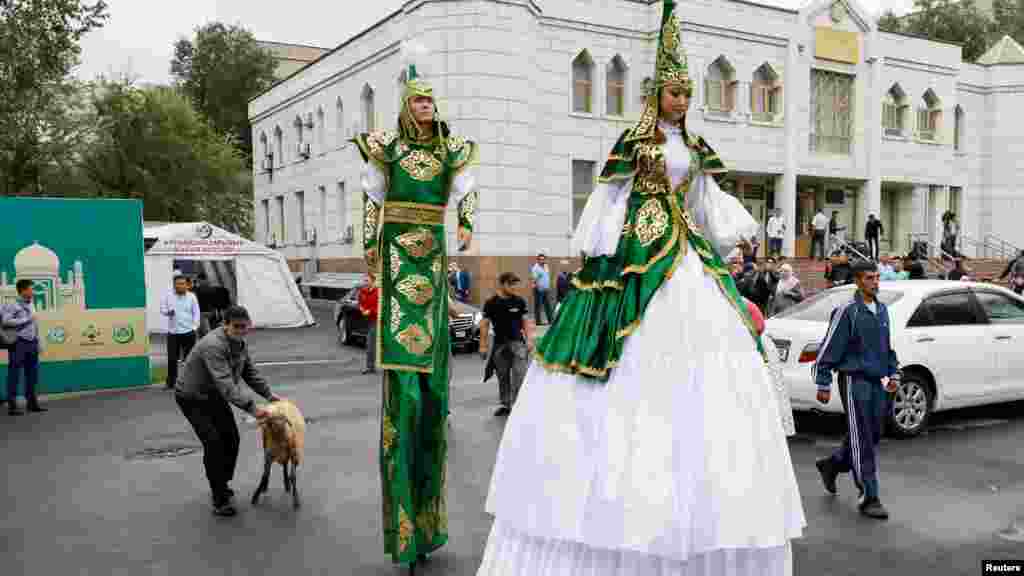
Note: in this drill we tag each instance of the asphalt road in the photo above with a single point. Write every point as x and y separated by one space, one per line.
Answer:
83 498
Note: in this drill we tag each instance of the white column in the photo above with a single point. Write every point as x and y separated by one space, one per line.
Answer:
785 185
919 212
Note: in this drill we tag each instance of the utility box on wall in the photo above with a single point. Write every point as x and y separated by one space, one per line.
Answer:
85 261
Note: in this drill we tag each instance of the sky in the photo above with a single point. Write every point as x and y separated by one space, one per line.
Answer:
138 38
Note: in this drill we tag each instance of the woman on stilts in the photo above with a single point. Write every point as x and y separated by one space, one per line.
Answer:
411 176
647 437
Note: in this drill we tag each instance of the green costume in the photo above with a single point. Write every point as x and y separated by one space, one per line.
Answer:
611 293
415 172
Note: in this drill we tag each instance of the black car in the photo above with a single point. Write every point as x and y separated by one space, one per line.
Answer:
353 326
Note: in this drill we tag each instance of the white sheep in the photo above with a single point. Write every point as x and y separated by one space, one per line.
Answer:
284 437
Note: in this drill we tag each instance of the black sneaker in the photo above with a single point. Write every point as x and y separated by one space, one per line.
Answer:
503 411
225 510
872 508
14 412
828 475
37 408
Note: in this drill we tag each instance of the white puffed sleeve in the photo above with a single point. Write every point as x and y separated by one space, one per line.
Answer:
600 225
722 218
463 184
374 182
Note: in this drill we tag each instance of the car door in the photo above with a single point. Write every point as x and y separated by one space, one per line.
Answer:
1005 317
947 332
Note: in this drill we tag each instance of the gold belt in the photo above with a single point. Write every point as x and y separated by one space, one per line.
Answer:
413 213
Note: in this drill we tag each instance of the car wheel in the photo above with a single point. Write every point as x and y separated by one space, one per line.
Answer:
344 333
911 407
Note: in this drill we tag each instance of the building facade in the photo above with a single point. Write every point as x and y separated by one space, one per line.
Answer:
810 109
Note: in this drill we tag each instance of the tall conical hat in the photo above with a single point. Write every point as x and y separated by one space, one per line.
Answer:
670 70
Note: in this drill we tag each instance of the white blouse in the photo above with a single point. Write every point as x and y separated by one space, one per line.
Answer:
374 184
723 220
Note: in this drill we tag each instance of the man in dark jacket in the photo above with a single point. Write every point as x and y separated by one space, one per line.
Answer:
1015 270
858 347
759 285
872 231
210 380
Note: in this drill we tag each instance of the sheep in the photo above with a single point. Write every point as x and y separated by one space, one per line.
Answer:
284 436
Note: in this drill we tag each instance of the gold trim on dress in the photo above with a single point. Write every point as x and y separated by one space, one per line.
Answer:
651 222
600 284
574 367
396 315
405 529
413 213
388 436
414 339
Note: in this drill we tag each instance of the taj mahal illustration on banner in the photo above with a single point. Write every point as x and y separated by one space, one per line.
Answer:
42 266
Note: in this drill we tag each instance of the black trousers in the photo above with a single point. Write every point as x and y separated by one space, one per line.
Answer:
178 347
818 244
215 426
23 358
542 301
872 246
865 403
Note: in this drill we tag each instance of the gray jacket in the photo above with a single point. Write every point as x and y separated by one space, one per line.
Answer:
217 367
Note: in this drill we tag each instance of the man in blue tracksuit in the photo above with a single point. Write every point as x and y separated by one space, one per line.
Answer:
858 347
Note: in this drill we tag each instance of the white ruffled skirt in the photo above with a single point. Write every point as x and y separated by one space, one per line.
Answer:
677 466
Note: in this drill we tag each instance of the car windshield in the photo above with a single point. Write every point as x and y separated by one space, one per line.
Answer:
819 307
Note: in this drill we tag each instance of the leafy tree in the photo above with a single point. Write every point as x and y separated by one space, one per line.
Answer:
1009 19
151 144
957 21
220 70
39 45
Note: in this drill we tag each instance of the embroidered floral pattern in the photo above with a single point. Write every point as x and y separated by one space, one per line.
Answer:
414 339
421 165
467 208
426 521
651 222
388 435
419 243
456 144
405 530
369 222
379 140
396 315
437 267
396 263
418 289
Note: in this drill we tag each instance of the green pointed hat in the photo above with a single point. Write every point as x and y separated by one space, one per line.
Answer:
413 56
671 68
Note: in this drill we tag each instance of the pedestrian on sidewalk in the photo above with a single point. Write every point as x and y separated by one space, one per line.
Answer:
776 230
819 229
23 356
181 307
210 380
873 230
514 337
369 304
540 281
858 347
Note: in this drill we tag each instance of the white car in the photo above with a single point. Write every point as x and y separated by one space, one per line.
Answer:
958 343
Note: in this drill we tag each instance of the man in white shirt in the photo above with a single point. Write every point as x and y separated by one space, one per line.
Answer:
820 231
181 307
776 229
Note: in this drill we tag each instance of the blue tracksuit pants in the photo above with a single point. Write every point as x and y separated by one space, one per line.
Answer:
865 403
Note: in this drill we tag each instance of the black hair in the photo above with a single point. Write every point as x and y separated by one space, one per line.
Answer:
508 279
22 285
236 313
861 266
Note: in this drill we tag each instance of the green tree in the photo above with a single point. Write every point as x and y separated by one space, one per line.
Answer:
220 70
151 144
39 45
957 21
1009 19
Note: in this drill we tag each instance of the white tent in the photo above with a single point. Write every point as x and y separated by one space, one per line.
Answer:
257 276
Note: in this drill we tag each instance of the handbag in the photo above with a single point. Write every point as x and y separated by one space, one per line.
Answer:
8 338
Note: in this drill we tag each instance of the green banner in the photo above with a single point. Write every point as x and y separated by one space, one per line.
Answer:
85 261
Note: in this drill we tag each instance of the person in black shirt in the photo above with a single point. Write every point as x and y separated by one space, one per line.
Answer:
958 271
507 312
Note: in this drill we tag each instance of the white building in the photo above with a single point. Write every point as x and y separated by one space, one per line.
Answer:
810 108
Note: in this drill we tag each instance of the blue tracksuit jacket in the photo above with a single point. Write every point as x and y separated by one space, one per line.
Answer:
857 343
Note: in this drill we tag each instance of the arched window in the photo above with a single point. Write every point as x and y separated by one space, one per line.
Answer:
616 77
369 112
583 83
301 146
265 148
894 110
765 94
958 128
321 141
929 117
720 87
279 145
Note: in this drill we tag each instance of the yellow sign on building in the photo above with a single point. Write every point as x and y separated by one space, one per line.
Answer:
836 45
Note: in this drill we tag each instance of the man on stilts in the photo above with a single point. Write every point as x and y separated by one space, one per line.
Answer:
411 176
